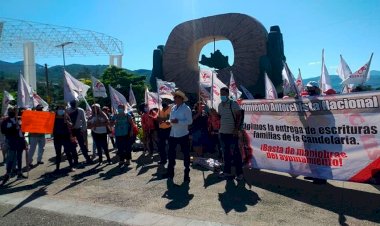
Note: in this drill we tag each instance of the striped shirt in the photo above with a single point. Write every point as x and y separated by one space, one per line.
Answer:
227 123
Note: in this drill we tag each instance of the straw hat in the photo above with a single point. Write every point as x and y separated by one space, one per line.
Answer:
180 94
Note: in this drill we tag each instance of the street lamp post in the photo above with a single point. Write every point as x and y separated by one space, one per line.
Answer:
63 50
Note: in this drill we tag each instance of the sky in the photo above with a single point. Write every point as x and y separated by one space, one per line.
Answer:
347 27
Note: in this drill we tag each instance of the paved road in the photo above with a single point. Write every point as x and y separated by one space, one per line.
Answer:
32 216
267 198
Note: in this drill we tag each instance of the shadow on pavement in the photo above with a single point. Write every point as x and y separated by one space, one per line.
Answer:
160 174
237 197
35 195
211 179
344 202
115 171
178 195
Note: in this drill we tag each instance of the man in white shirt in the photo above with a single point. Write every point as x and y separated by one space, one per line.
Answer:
180 119
78 117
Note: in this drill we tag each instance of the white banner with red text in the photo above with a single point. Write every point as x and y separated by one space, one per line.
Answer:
329 137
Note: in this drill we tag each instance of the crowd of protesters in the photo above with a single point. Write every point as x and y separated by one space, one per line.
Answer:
200 131
173 123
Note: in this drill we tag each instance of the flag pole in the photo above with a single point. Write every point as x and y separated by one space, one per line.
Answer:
212 88
199 83
158 95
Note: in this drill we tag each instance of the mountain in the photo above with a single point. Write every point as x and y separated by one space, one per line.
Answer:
12 71
374 80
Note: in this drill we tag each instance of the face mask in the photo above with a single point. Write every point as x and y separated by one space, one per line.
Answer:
223 98
120 111
60 112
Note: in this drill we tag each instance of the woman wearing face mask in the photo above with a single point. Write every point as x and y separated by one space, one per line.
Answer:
15 142
63 137
98 124
123 133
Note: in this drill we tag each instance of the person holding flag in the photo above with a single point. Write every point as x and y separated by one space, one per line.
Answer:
63 137
163 131
15 142
79 130
123 133
98 123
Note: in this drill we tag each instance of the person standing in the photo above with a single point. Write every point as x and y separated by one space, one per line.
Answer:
63 138
230 116
110 131
98 124
16 144
180 119
123 133
79 130
213 128
147 123
34 140
163 131
199 128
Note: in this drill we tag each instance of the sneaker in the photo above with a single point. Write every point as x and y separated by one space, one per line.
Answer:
31 166
40 163
73 169
240 177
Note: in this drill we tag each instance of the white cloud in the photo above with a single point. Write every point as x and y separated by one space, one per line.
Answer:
314 63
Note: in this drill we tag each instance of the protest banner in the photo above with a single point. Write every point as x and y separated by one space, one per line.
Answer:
37 122
329 137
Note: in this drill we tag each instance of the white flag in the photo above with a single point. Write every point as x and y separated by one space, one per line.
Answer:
118 99
205 95
289 85
98 88
234 91
146 95
247 93
73 88
132 99
37 100
360 76
24 94
343 69
7 98
325 77
153 100
270 91
299 82
205 77
165 89
217 85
